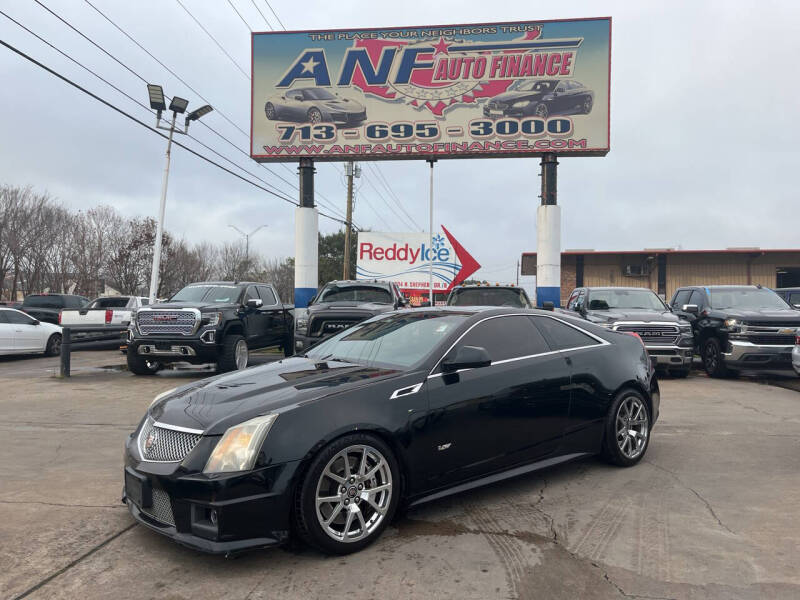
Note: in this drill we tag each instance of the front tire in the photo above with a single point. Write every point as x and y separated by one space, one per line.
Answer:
288 345
141 366
349 494
713 360
627 429
233 355
53 346
314 116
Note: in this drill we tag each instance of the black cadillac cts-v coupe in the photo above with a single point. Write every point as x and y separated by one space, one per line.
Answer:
400 409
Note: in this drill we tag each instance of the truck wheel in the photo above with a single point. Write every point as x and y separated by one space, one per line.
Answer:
713 360
288 346
141 366
53 345
233 355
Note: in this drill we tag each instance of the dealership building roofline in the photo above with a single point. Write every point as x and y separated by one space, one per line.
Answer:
733 250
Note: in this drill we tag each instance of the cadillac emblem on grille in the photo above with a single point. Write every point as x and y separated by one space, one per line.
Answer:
152 440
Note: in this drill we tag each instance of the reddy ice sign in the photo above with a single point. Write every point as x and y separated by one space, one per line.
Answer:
503 89
405 259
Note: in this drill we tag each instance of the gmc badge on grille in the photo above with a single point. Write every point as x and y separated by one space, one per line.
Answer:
165 318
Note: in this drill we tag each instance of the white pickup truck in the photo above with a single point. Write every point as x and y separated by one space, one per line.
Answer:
105 317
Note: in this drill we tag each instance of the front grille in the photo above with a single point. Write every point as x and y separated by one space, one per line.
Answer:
161 510
331 326
180 322
771 340
773 324
165 445
653 334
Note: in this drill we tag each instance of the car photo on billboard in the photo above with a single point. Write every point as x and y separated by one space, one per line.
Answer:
542 99
314 105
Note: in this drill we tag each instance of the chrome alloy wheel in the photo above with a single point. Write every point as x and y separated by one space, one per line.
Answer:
314 116
632 426
354 492
241 354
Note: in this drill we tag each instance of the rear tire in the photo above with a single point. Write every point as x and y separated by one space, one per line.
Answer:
288 345
713 362
627 429
139 365
357 513
232 357
53 346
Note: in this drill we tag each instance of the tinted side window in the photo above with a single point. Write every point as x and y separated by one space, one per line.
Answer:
562 336
3 314
681 298
251 293
794 298
696 298
17 318
506 337
267 295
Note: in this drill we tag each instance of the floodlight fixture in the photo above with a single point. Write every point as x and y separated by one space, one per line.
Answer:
178 105
156 94
196 114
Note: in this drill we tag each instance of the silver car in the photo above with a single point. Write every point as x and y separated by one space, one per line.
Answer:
315 105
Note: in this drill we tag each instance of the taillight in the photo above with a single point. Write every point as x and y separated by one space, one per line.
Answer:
109 314
636 335
59 317
797 339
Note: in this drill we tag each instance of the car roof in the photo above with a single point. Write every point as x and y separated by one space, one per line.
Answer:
788 289
617 287
225 283
352 282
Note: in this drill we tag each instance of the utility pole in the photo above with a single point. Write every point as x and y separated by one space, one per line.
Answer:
351 170
246 237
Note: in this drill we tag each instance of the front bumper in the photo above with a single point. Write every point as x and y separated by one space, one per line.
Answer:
196 350
676 357
494 113
250 510
747 355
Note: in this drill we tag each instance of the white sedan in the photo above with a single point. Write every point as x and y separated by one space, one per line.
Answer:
22 334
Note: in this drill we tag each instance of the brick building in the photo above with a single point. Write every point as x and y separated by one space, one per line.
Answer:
665 269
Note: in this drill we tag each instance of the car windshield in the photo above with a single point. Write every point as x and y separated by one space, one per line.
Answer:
119 302
355 293
611 299
537 86
317 94
398 341
489 297
213 294
43 301
745 299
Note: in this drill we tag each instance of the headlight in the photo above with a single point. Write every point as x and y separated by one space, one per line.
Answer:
162 395
211 318
301 322
238 448
521 104
685 329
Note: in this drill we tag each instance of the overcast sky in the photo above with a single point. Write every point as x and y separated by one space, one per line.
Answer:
704 117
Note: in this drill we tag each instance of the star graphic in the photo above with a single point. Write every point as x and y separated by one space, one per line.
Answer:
441 47
309 65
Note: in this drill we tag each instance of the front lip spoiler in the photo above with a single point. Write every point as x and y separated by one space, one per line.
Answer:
197 543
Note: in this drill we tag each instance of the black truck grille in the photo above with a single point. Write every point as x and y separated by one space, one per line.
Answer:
331 326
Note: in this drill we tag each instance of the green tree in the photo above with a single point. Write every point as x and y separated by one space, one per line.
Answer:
331 256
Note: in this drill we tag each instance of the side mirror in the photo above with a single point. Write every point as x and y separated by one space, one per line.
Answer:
548 306
467 357
254 303
690 308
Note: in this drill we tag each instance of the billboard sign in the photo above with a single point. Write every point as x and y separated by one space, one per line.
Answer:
404 258
453 91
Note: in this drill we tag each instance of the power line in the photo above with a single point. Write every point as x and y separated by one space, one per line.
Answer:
382 179
240 16
146 126
200 25
397 214
131 98
275 14
271 28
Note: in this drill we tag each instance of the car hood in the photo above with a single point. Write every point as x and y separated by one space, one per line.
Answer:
771 314
371 307
343 103
217 403
49 327
197 305
631 314
510 97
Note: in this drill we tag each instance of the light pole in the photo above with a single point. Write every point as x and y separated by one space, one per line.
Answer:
246 237
177 106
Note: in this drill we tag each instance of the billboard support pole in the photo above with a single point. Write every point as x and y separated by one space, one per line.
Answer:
306 240
548 224
430 240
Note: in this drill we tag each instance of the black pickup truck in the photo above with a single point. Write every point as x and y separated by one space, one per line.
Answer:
340 304
667 337
45 307
739 327
218 321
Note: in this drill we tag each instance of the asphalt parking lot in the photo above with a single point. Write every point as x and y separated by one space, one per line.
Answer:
712 512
